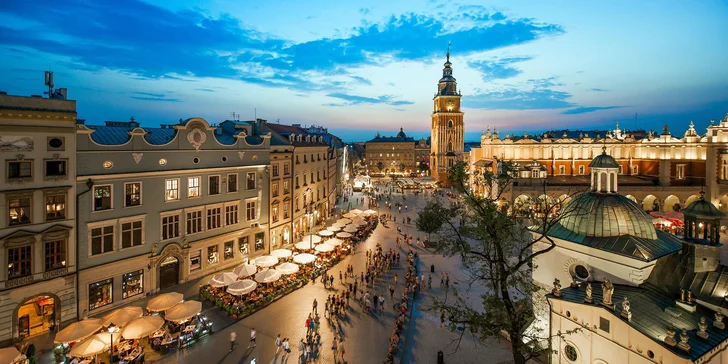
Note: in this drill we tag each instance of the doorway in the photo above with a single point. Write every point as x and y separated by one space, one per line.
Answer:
36 316
169 273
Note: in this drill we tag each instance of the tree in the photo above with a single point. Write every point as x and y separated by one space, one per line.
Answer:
380 166
497 244
429 219
401 167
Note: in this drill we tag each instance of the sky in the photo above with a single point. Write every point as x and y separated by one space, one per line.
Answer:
362 67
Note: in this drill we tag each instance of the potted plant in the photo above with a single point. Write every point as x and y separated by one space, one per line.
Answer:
58 354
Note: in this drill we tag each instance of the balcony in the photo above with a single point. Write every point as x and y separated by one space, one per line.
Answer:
20 281
55 273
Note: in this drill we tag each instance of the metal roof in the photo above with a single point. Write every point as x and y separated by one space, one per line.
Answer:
604 160
605 215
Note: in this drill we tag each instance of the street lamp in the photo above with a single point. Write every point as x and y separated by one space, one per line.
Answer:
112 331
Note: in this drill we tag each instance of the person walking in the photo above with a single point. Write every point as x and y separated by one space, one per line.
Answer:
233 336
301 350
342 351
391 291
252 337
442 319
279 343
332 281
429 281
315 306
335 349
286 348
381 303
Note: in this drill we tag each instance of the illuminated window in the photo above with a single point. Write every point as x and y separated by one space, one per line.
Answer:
680 171
132 194
102 197
55 206
193 187
171 190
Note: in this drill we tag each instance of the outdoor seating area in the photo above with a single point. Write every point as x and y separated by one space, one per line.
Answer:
253 285
126 334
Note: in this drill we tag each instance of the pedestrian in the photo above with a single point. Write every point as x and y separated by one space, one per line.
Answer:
335 348
301 348
233 335
286 347
279 343
376 302
442 319
332 281
391 291
381 303
395 278
341 278
429 282
315 306
442 279
342 351
447 280
308 323
252 337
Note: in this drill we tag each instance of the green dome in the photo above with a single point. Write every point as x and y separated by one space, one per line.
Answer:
594 214
702 208
604 160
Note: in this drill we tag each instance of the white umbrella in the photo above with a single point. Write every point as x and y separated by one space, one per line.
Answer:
303 245
245 270
343 221
356 211
324 248
343 235
122 316
266 261
183 311
240 288
281 253
304 258
78 330
94 345
334 228
223 279
357 223
349 215
287 268
338 225
334 242
371 212
10 355
268 276
142 326
350 229
326 233
308 238
164 301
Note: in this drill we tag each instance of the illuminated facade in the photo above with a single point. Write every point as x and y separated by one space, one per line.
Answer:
447 141
391 154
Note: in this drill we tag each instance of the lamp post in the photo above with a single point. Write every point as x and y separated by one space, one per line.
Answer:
112 331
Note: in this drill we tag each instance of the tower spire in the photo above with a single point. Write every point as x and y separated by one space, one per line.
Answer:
448 51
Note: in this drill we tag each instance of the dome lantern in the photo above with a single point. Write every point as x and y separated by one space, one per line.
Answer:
702 221
604 171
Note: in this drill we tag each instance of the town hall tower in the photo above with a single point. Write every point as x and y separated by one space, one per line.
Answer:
447 125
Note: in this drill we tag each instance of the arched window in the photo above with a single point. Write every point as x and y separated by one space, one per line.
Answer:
449 146
450 124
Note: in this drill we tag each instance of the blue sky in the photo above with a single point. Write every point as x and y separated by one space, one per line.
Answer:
360 67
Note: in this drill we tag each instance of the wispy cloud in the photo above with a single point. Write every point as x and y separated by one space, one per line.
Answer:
598 90
498 68
205 89
358 100
588 109
163 99
361 80
515 99
149 94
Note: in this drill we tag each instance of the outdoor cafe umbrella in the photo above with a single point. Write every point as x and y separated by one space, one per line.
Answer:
308 238
122 316
324 248
370 212
350 229
338 225
10 355
266 261
78 330
304 258
358 223
661 221
326 233
287 268
281 253
334 227
334 242
349 215
183 311
94 345
142 326
303 245
356 211
343 221
240 288
223 279
164 301
245 270
343 235
268 276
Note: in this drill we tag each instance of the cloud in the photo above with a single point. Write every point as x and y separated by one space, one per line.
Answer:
358 100
149 94
498 68
515 99
364 11
144 98
588 109
361 80
205 89
545 82
598 90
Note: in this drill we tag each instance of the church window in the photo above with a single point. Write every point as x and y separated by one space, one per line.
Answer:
449 124
571 353
449 146
581 272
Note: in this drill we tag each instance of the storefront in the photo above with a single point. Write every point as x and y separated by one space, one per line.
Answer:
37 316
100 294
132 284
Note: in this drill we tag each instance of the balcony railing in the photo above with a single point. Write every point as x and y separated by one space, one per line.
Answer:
20 281
55 273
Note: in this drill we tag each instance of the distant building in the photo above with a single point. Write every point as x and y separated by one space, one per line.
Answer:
391 154
448 127
422 155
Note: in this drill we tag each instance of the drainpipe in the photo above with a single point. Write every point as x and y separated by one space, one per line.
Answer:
90 185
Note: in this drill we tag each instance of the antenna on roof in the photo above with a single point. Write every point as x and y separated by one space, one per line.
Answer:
235 116
278 120
255 113
49 82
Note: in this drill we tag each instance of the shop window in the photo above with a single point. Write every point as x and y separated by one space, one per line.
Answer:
102 197
19 261
100 294
132 284
55 168
213 185
259 241
212 255
250 181
193 187
102 239
232 183
132 234
196 260
20 169
132 194
19 210
55 254
243 245
170 227
55 207
171 190
228 252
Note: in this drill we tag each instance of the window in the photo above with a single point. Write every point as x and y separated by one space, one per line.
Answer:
55 168
132 234
581 272
724 171
227 250
635 169
194 221
318 176
297 160
562 170
259 241
231 214
232 183
213 185
305 180
250 181
55 254
243 245
19 261
295 202
286 169
286 187
274 212
214 218
132 194
102 197
274 189
680 171
132 284
275 170
297 184
621 170
171 190
285 210
196 260
603 324
570 353
581 169
102 239
19 210
55 206
212 257
250 213
20 169
534 173
100 293
193 187
170 226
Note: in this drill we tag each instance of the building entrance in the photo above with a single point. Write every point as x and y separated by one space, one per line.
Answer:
169 273
36 316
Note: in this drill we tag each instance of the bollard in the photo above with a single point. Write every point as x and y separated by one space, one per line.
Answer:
432 268
440 357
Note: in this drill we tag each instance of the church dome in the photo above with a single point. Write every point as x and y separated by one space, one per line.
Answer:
401 134
604 160
702 208
594 214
